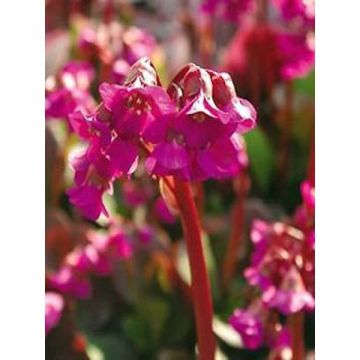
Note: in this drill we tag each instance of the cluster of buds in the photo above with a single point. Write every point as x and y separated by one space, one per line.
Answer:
282 268
191 130
97 257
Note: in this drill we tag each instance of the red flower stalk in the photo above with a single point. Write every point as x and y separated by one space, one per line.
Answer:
296 326
201 294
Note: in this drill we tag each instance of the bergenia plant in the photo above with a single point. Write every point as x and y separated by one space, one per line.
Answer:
283 269
184 134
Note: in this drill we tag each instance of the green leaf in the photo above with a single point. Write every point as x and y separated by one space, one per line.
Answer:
306 85
262 157
108 347
135 327
156 311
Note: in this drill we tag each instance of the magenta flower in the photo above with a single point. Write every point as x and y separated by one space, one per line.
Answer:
70 91
305 214
298 55
162 211
282 266
300 12
145 234
137 44
95 258
54 305
88 259
115 47
291 296
136 194
281 346
249 326
228 10
71 282
201 140
192 130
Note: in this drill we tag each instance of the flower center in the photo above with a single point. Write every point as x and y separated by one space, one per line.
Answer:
136 103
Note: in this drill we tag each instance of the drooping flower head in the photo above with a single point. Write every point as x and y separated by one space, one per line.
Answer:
192 130
201 140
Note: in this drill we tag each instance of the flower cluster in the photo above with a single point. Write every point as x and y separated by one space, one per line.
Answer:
95 258
282 268
69 90
258 327
191 130
279 258
54 305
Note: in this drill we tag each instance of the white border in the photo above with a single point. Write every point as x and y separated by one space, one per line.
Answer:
337 180
22 174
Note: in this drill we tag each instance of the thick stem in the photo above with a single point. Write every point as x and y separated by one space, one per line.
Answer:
296 326
200 284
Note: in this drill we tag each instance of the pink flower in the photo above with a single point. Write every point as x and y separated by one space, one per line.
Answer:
291 296
281 346
200 141
71 282
145 234
138 102
115 47
135 194
300 12
70 91
249 326
282 266
137 44
228 10
162 211
54 305
88 259
192 130
298 55
88 199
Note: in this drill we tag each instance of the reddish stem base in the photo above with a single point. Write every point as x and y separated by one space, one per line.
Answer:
200 284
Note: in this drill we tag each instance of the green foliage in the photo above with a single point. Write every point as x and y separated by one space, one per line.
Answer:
108 347
262 157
